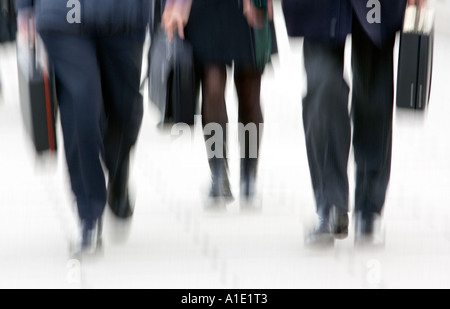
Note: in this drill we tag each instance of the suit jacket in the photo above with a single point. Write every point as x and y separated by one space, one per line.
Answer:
107 17
330 21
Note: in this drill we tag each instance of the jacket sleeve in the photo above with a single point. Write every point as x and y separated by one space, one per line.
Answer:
23 4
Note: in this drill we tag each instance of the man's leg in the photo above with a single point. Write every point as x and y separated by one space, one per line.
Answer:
121 62
81 108
373 97
327 128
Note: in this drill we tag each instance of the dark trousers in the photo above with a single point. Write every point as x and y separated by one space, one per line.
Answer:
97 82
327 122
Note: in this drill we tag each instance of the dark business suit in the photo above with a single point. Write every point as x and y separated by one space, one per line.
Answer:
330 21
327 121
97 66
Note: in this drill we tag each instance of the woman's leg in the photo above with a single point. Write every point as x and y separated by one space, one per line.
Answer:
248 86
215 119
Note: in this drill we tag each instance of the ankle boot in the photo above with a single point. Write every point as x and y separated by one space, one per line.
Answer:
220 184
248 178
249 164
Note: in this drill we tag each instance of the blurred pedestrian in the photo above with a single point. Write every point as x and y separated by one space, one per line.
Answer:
222 34
8 24
325 24
96 50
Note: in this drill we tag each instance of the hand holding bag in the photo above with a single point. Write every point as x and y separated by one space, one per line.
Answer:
173 84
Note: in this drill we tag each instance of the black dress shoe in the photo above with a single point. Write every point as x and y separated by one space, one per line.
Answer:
321 236
120 204
339 223
91 239
368 230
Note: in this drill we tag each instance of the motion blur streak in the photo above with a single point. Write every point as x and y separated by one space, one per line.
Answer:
173 242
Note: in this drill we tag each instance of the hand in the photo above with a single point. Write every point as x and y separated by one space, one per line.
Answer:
420 3
257 17
25 27
175 17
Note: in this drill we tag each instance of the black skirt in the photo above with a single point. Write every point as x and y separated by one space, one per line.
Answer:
219 33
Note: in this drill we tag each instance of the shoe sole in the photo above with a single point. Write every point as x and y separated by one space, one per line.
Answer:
320 242
86 254
123 213
218 202
363 242
340 236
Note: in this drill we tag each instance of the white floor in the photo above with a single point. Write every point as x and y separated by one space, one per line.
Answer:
174 243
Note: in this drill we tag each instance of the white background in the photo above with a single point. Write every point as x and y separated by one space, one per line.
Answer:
174 242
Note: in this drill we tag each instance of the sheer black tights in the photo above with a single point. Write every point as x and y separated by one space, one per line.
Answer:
248 85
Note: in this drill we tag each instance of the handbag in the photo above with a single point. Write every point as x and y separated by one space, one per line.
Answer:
264 39
415 67
37 94
173 83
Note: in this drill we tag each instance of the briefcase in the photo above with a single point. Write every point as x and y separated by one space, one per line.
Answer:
173 82
37 96
415 66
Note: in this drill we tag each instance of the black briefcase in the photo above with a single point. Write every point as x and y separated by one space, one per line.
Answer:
415 67
173 83
37 99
